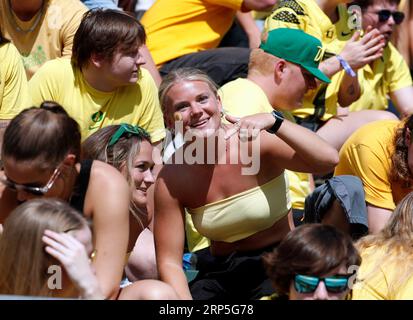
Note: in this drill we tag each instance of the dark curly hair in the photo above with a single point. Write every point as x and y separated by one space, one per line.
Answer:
400 171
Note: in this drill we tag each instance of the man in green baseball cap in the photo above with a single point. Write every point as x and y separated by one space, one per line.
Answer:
298 47
280 73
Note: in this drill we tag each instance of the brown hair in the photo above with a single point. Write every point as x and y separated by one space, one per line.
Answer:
43 135
121 154
311 249
23 261
400 171
105 32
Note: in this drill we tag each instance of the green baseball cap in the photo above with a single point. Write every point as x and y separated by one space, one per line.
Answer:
298 47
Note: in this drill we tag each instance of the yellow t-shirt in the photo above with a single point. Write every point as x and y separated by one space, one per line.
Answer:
176 28
242 97
53 36
308 16
367 154
14 96
389 74
379 277
57 80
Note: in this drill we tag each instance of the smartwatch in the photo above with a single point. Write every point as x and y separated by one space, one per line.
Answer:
279 118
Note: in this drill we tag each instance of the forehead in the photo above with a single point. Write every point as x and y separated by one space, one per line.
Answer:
380 4
84 235
187 88
145 151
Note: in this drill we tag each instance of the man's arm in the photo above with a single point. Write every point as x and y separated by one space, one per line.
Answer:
402 99
349 90
247 23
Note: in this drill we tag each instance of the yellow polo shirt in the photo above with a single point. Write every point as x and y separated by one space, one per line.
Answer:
14 96
307 16
136 104
52 38
389 74
176 28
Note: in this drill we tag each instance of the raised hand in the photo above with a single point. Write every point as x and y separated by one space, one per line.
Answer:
359 52
71 253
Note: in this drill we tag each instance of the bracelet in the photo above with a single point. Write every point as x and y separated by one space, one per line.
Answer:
346 66
279 118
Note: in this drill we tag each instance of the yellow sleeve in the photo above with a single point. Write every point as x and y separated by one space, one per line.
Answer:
15 93
372 167
152 119
45 83
284 17
75 13
232 4
397 75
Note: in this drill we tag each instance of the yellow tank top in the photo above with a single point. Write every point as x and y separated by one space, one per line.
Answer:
243 214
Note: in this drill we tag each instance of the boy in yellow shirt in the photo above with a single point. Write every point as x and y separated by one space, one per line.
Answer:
104 83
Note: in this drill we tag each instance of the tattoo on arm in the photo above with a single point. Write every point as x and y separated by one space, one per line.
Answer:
351 90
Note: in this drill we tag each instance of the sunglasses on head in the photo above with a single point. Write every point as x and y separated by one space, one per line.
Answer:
309 284
384 15
37 191
127 129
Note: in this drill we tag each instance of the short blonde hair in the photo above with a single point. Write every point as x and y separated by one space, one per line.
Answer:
261 63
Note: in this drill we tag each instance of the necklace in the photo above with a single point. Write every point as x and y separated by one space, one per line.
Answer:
13 21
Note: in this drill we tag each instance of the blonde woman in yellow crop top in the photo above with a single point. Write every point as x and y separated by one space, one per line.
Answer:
241 210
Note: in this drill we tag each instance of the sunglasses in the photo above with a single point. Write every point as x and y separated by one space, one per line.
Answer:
384 15
309 284
37 191
127 129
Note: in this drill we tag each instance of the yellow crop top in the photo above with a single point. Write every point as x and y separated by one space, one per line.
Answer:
245 213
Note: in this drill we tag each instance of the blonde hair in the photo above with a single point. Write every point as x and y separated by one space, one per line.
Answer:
24 262
261 63
396 244
181 75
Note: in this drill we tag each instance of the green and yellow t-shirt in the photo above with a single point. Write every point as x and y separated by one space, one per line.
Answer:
137 104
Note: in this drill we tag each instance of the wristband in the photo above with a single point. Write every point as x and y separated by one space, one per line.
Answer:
279 118
346 66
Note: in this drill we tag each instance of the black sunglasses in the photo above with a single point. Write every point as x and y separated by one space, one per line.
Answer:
385 14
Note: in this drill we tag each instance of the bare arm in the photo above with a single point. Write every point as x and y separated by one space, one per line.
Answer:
247 23
293 147
260 5
403 100
349 90
110 213
169 239
377 218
